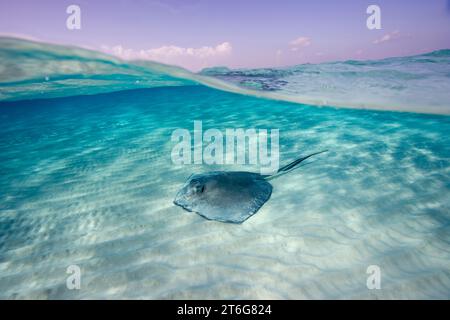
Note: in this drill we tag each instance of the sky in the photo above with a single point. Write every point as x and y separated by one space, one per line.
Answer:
235 33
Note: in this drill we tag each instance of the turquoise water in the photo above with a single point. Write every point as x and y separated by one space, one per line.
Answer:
88 180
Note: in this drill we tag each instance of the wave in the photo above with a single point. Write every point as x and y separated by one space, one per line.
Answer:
32 70
416 83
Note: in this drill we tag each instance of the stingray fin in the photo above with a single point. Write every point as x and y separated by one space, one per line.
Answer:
291 166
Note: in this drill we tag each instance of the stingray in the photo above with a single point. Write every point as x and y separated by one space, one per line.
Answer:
229 196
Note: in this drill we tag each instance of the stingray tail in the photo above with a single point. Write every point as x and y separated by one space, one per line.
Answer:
291 166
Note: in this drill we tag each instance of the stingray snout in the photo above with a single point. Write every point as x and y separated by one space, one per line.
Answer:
180 198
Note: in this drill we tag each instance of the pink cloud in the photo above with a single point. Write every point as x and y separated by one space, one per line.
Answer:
300 42
190 58
388 37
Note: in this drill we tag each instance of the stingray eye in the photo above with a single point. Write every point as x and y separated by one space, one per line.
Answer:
199 188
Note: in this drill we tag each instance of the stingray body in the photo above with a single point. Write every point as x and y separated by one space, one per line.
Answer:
229 196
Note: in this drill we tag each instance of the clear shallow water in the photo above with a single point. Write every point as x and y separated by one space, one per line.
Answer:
88 180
